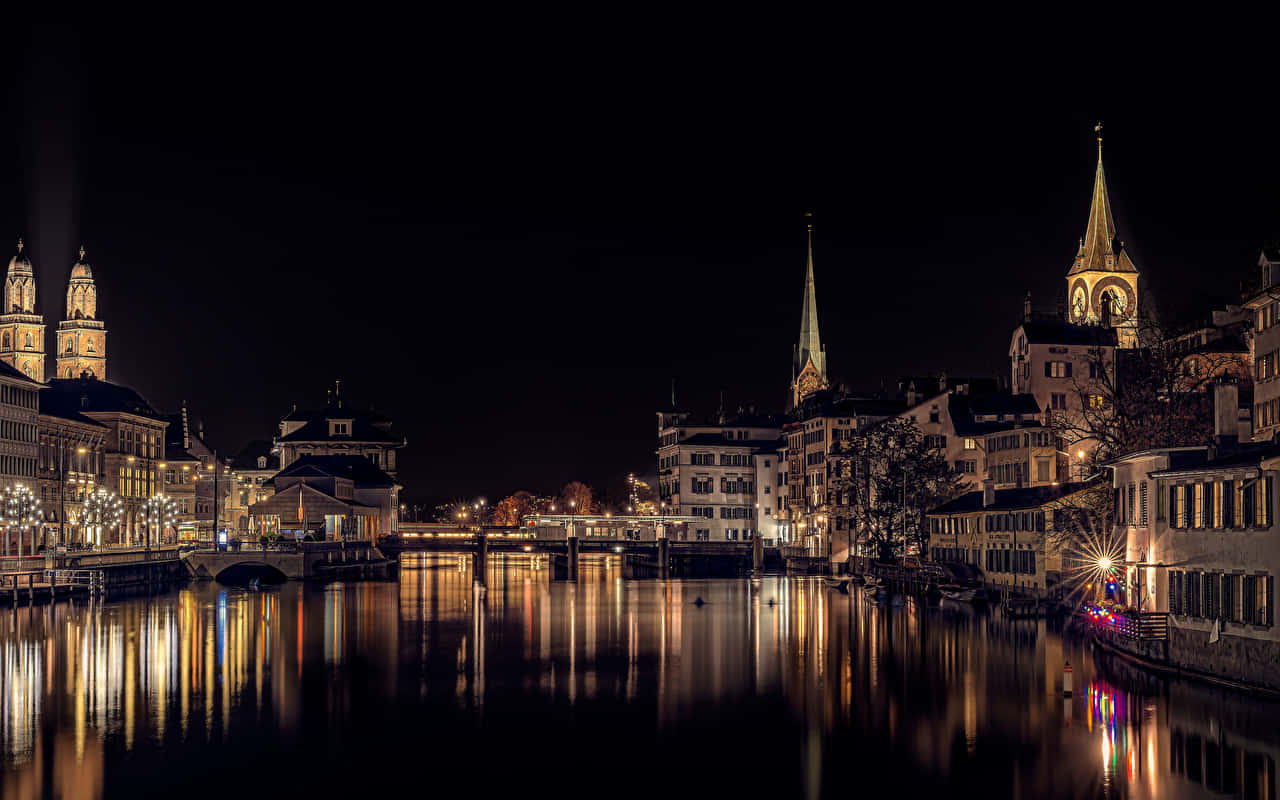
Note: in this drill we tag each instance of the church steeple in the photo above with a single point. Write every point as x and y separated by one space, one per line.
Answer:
82 337
1101 247
809 359
1102 283
21 325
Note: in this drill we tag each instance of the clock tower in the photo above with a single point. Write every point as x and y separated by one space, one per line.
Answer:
809 358
82 338
21 326
1102 283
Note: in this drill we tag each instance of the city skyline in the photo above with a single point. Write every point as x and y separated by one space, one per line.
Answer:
527 319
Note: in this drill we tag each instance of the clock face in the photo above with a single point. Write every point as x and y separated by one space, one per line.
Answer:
1078 304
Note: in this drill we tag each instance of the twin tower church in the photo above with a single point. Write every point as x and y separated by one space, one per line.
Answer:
1102 289
82 338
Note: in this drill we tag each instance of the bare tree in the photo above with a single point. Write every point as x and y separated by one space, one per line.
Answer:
579 497
885 478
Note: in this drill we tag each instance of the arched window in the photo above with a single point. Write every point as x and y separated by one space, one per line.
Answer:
27 342
68 349
5 341
89 346
68 375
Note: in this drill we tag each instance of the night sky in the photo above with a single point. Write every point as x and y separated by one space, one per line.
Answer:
513 250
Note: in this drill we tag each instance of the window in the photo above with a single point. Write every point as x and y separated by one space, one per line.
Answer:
1057 369
1096 401
970 444
1142 504
1058 402
1197 505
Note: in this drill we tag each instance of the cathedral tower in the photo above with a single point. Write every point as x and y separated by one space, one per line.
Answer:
82 338
1102 284
21 326
809 359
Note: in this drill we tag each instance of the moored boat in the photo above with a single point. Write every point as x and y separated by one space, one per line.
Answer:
958 594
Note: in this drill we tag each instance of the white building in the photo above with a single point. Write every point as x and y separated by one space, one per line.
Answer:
1202 545
709 470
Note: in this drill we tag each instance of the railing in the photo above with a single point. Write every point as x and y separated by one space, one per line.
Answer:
93 579
1146 626
102 559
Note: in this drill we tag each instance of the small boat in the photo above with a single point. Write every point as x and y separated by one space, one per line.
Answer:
873 591
840 583
957 593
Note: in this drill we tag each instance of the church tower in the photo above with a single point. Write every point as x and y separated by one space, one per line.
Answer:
1102 284
809 359
21 326
82 338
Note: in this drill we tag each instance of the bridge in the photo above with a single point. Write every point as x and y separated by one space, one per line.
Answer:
300 561
641 543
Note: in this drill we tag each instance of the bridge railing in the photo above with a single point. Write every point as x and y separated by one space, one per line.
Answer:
103 559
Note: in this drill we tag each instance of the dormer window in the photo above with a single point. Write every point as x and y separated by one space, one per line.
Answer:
262 462
340 428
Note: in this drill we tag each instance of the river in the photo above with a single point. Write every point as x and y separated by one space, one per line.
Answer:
773 687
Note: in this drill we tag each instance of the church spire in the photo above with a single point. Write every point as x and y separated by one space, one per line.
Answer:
809 349
1101 248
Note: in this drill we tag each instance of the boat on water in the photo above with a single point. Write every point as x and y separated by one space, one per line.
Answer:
874 591
959 594
840 583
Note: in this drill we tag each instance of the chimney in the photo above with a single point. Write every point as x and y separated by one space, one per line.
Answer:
1226 416
1026 308
988 492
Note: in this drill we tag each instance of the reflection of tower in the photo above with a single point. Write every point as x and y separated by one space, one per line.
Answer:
1102 284
82 338
21 327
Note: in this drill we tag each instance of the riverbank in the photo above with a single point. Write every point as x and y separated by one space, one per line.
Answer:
1175 658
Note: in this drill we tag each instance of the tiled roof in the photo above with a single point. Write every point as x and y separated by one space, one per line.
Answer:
89 395
1045 332
1008 499
247 458
360 471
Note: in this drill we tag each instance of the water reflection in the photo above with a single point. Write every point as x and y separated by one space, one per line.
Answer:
815 688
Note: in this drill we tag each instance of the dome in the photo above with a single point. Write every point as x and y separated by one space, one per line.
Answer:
81 268
20 264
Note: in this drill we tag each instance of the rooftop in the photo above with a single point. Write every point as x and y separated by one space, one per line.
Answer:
1009 499
89 395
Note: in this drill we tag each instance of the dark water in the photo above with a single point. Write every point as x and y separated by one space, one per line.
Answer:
605 688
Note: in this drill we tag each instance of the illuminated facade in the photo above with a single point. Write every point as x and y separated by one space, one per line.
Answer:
72 463
133 451
1102 283
82 337
21 325
709 470
809 358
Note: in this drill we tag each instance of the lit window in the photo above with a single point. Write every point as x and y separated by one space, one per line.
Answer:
970 444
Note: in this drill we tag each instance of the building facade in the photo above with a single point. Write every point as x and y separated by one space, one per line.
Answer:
82 337
133 451
342 497
709 471
1205 549
1263 302
72 465
1010 538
